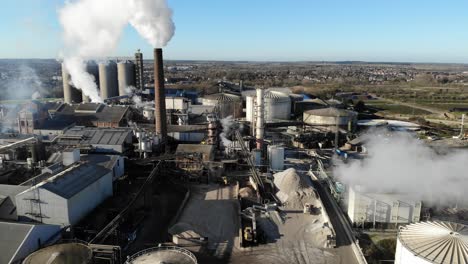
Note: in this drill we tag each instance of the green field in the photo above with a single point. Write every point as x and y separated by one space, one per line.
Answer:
389 107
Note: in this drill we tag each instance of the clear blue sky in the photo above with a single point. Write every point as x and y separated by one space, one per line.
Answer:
369 30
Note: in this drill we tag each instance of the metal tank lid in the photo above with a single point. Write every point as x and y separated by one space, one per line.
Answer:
331 111
438 242
277 96
223 97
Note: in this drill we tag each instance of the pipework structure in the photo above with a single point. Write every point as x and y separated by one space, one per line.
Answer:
159 96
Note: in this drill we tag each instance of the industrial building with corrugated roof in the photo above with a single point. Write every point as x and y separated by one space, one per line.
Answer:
108 140
92 114
8 202
65 198
364 207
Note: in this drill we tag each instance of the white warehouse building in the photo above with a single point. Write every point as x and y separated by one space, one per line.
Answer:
65 198
383 208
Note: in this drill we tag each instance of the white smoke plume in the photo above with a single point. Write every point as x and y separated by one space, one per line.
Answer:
139 103
153 21
228 125
23 85
36 95
403 164
93 28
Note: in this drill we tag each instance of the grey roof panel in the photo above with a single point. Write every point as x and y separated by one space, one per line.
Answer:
73 180
11 238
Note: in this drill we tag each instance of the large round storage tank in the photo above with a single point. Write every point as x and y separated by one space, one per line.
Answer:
226 104
329 117
276 157
126 76
277 106
163 255
69 253
70 93
108 79
432 242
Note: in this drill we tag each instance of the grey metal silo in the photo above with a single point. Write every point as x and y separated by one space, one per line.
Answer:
126 76
108 79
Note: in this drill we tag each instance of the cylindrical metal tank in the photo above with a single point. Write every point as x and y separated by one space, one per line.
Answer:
146 144
93 70
276 157
432 242
126 76
257 157
277 106
163 255
330 117
69 253
226 104
108 79
70 93
250 108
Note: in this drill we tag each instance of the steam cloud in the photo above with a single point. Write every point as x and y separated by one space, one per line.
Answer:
93 28
228 125
24 85
404 164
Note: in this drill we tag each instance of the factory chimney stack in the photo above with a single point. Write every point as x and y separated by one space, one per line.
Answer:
159 95
260 119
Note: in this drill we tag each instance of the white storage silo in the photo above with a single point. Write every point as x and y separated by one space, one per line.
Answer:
250 107
277 106
432 242
226 104
108 80
126 76
276 157
329 117
70 93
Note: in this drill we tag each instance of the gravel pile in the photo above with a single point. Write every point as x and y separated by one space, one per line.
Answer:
294 190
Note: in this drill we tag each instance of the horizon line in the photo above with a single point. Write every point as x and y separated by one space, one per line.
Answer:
268 61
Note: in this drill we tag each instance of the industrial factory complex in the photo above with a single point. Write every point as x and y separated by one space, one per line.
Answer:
246 174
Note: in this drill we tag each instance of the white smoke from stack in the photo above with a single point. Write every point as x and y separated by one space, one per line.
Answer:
228 125
404 164
93 28
153 21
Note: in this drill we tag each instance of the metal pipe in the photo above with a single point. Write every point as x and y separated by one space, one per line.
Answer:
260 119
159 95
